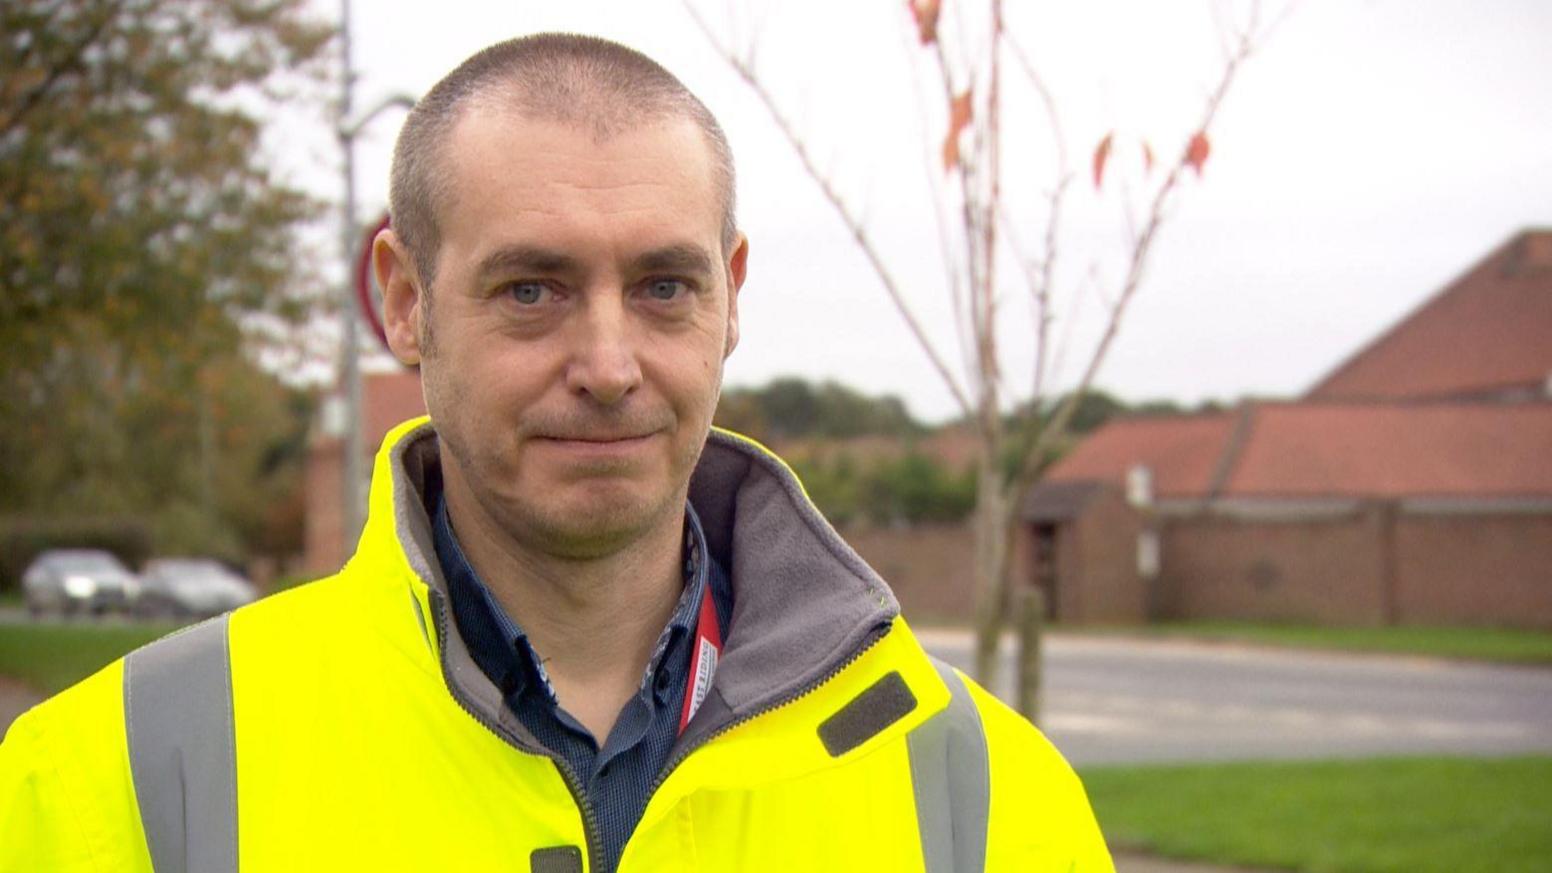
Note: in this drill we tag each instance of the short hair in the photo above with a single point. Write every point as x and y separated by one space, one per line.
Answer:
598 85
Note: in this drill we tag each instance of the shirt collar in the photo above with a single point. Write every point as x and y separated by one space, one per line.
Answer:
500 646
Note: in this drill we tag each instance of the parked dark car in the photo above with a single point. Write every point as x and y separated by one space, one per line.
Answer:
78 581
182 587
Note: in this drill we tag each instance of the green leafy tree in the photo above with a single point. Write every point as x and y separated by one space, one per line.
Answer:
143 238
791 407
908 489
918 489
835 484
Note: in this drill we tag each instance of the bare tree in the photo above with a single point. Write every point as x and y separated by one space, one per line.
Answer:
1014 435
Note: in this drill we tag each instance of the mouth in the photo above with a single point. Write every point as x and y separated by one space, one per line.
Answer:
596 445
596 439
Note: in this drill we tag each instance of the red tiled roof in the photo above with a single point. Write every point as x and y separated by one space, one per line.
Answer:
1415 450
1332 450
1181 451
1489 330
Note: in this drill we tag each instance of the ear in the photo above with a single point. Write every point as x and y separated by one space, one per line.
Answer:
738 267
402 297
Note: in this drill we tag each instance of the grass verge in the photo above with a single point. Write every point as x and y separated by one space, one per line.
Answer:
1484 644
51 657
1399 815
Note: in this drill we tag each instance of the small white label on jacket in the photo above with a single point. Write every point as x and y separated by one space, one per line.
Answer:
705 669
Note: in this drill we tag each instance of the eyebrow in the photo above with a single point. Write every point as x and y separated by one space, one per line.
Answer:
676 258
525 259
681 258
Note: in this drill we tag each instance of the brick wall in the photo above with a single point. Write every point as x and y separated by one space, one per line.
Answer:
928 566
1375 566
1475 570
1100 547
1325 571
324 548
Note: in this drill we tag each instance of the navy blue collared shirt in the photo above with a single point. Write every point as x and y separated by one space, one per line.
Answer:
618 775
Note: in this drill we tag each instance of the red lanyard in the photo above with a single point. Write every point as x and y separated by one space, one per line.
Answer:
703 659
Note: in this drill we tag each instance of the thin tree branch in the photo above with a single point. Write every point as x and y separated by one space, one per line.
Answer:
33 46
964 170
1127 213
982 339
858 231
1042 288
1047 99
1033 270
1089 287
1047 281
70 63
1056 427
952 267
990 365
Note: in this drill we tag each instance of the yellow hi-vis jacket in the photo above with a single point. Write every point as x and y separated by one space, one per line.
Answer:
342 726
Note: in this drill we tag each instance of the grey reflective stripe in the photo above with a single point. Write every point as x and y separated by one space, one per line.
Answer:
952 780
182 752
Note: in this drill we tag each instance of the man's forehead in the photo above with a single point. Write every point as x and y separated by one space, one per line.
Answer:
488 130
506 171
504 150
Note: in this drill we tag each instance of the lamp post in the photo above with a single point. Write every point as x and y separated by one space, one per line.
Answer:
354 444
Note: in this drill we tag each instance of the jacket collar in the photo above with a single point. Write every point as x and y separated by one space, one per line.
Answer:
805 606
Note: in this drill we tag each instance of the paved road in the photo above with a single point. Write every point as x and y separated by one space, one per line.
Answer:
1112 700
1124 700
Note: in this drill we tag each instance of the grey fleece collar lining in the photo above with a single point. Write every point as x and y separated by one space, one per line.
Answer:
804 603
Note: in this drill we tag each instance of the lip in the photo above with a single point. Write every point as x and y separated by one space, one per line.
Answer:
597 446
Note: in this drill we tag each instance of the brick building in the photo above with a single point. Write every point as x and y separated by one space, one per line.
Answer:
1411 485
387 399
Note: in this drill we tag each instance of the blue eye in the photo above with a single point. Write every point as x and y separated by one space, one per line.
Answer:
664 289
526 293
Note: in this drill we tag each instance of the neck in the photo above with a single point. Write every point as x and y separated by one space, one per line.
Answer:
594 621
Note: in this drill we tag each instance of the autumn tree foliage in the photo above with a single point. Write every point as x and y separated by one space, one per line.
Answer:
968 49
792 408
144 242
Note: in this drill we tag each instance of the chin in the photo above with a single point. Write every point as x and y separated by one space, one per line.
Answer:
591 525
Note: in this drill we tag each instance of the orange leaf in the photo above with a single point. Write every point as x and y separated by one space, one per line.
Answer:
958 118
1147 157
926 14
1101 155
1196 152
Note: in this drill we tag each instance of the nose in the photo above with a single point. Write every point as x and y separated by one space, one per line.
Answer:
603 363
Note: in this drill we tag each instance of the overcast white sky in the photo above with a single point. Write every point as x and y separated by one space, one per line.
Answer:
1371 152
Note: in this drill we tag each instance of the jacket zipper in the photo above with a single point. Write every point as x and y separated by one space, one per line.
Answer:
673 764
590 826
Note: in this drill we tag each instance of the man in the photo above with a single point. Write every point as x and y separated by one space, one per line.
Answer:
578 633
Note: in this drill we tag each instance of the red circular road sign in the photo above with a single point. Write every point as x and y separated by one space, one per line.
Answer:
369 302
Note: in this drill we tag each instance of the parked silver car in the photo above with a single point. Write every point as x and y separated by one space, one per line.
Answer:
70 581
191 587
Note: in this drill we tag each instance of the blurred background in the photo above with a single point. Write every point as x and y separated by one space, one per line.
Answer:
1267 409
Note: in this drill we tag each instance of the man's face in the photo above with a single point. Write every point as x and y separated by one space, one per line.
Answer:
582 309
